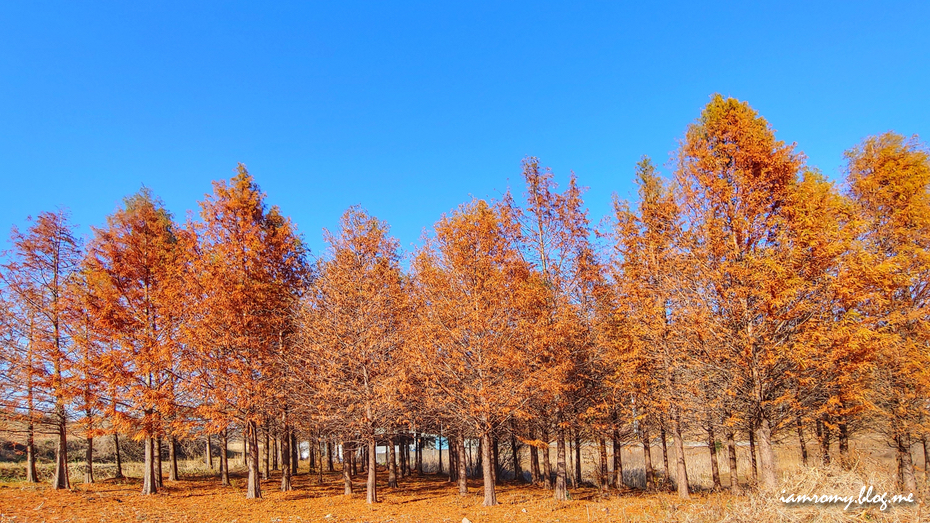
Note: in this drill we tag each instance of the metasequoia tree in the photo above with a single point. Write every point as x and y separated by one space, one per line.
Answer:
472 292
246 269
736 183
552 234
889 179
37 275
650 267
134 280
351 335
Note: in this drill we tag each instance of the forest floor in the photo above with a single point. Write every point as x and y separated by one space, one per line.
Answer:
430 498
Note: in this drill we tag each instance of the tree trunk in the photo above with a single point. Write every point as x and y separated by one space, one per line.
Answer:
89 461
208 451
159 472
767 455
561 472
490 497
664 440
224 458
906 464
418 446
496 457
752 453
149 485
371 493
603 480
618 461
286 463
267 463
254 489
439 449
295 453
173 458
682 479
453 458
322 451
275 451
330 444
801 442
62 481
577 460
926 442
844 444
119 460
547 463
392 464
31 475
346 469
734 473
534 462
712 447
647 459
461 466
823 439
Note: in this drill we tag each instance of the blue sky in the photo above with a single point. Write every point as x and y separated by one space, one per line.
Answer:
411 108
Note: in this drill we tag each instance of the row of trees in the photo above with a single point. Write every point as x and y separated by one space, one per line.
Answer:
747 295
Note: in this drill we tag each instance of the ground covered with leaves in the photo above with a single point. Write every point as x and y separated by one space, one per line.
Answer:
425 499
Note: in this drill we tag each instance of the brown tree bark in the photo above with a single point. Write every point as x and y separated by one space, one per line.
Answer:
905 464
647 459
119 459
267 461
801 441
159 472
462 465
712 447
490 496
149 485
731 451
534 463
371 492
392 464
254 488
754 467
618 461
208 452
577 479
547 463
62 481
682 473
767 454
347 468
173 459
224 458
603 480
561 473
89 461
286 462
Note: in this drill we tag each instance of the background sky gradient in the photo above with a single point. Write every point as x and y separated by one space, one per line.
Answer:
410 109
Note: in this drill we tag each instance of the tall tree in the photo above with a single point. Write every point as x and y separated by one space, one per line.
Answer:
651 267
133 275
246 270
353 333
736 184
472 289
39 269
889 179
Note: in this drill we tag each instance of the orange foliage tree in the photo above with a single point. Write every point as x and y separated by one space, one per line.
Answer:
246 270
889 179
352 334
472 293
37 277
133 276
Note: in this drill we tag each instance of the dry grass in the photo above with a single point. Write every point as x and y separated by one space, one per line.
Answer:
200 498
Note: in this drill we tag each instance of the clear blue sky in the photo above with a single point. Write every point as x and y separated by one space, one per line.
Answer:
408 109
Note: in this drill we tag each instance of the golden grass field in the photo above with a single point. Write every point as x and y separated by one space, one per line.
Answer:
199 498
